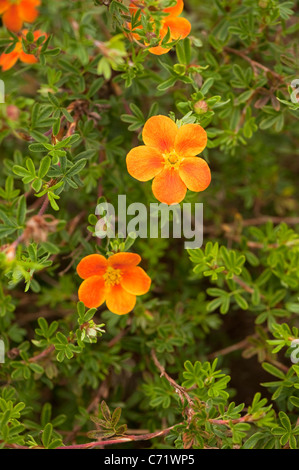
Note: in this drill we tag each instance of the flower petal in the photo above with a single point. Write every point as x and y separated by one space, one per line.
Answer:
191 140
38 34
143 162
7 61
119 301
136 281
176 10
28 58
124 260
158 50
92 265
4 5
12 20
28 11
92 292
160 132
133 8
132 33
179 27
195 173
168 187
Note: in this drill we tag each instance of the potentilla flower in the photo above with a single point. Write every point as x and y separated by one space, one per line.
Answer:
169 156
116 280
16 12
179 27
7 61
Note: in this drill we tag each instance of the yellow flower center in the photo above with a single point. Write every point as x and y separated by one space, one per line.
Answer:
112 276
172 159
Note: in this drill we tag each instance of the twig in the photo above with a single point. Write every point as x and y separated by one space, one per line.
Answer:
44 205
234 347
181 391
43 354
254 64
121 440
227 422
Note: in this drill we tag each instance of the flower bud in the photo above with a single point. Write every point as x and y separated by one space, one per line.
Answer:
12 112
201 107
91 332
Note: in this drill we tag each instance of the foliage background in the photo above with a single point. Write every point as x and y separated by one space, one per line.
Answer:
236 299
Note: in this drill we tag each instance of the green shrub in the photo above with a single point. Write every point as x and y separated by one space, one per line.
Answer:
209 356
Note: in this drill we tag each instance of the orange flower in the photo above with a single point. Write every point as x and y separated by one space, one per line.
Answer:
15 12
168 156
179 27
116 280
7 61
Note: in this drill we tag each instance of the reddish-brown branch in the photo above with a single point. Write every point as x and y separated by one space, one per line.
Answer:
227 422
254 64
102 443
234 347
181 391
43 354
44 205
121 440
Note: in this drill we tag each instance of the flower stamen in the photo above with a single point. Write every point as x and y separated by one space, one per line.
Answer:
112 276
172 159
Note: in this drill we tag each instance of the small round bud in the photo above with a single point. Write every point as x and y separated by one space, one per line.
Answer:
91 332
201 107
12 112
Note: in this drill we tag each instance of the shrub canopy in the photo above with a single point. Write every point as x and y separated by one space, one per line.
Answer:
141 341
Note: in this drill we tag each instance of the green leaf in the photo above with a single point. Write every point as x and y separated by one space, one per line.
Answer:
273 370
21 211
47 434
241 301
44 166
53 100
76 168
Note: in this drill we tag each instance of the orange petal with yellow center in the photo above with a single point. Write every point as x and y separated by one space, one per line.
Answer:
191 140
179 27
176 10
28 58
4 5
27 10
119 301
11 19
195 173
136 281
160 132
92 265
124 260
92 292
7 61
143 162
168 187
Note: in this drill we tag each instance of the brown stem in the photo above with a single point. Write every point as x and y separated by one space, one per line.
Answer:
181 391
243 419
254 64
234 347
121 440
43 354
44 205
